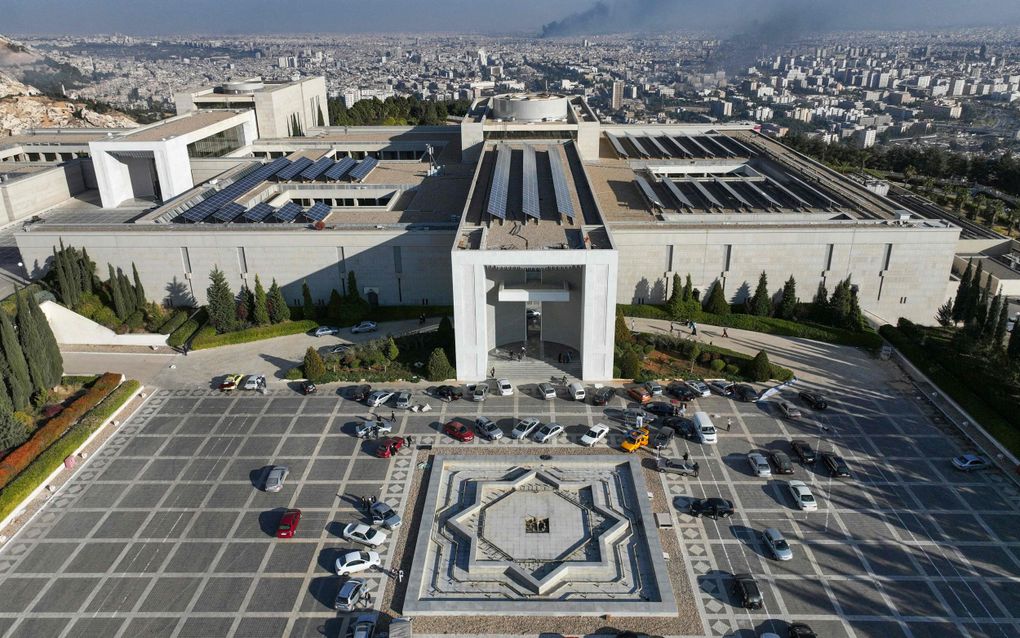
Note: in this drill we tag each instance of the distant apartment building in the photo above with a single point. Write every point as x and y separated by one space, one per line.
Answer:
616 102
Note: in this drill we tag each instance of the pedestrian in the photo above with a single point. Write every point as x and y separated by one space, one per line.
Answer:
492 373
725 334
676 410
364 502
687 456
393 417
400 576
729 424
372 499
368 599
694 331
559 357
410 441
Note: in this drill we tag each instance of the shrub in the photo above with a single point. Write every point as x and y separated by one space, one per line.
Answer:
717 365
630 365
295 374
760 368
69 379
314 368
438 367
135 321
175 321
208 338
732 369
181 335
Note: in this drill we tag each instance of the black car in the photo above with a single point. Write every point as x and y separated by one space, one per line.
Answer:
813 399
308 388
747 592
660 408
836 465
781 461
602 396
682 426
803 450
711 507
358 392
662 438
745 393
680 390
800 630
448 393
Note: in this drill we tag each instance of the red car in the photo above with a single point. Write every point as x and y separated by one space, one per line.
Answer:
389 446
288 524
459 431
640 394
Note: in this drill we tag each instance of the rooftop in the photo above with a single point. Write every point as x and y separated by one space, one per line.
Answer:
179 125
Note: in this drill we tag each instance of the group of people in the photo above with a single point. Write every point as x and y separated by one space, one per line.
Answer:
367 502
680 409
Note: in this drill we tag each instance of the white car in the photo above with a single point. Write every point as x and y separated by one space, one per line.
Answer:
548 432
759 464
479 391
698 387
377 398
340 348
576 391
322 331
802 496
505 388
354 562
778 547
361 533
654 388
368 428
254 382
364 326
524 427
403 400
546 391
597 432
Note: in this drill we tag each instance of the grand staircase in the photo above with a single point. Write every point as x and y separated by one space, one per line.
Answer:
534 370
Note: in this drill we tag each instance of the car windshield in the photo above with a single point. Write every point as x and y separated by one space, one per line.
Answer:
780 543
807 498
284 526
592 433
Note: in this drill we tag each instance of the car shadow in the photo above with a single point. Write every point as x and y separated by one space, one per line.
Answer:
323 589
258 477
737 462
775 489
269 520
683 503
750 538
327 559
336 528
716 584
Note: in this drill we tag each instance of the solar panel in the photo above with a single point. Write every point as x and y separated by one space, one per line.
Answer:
616 145
655 142
317 212
363 168
258 212
638 147
287 212
680 197
340 169
694 140
195 214
707 195
228 213
563 203
684 151
296 167
733 193
530 204
647 190
316 169
500 184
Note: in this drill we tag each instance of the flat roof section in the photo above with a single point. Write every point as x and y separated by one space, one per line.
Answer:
180 125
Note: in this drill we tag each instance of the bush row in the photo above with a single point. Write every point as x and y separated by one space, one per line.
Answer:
175 321
69 379
727 363
353 376
29 479
180 336
55 428
207 337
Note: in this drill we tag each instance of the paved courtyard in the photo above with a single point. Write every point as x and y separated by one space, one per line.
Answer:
163 532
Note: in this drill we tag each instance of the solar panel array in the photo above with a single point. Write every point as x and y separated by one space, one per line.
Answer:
529 203
363 168
258 212
338 170
500 184
240 186
228 213
563 203
316 169
287 213
647 190
294 169
616 145
317 212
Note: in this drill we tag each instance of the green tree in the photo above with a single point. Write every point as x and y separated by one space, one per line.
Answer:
445 335
335 307
260 312
855 318
695 353
353 294
244 306
391 350
944 315
760 369
840 304
19 380
992 319
220 302
974 293
1001 325
119 307
788 304
12 431
630 364
963 293
139 290
277 304
315 369
32 345
308 305
53 360
1013 349
675 305
820 303
126 293
688 292
438 367
760 304
717 304
623 333
87 268
63 284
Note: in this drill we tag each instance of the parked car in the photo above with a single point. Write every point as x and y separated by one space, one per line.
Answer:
358 393
594 434
448 393
275 477
459 431
636 439
654 388
745 393
800 630
288 523
254 382
680 467
778 547
722 387
504 388
354 562
711 507
230 382
970 462
308 388
576 391
350 593
663 437
681 391
640 394
781 461
745 589
361 533
759 465
836 465
323 331
660 408
803 450
546 391
602 396
788 409
698 387
813 399
488 429
372 429
402 400
340 348
802 496
364 326
524 427
704 429
681 425
479 391
389 446
383 514
635 417
377 398
548 432
364 625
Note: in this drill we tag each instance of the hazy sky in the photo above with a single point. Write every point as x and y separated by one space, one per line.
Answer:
489 16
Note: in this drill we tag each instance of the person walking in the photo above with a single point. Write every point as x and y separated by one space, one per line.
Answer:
687 456
729 424
393 417
725 334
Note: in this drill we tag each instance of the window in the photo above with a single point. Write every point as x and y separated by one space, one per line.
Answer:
727 254
218 144
186 259
888 257
828 256
242 261
397 266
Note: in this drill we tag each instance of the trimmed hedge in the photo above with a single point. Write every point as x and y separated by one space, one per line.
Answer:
69 379
207 337
52 430
175 321
403 313
181 336
9 303
736 364
53 457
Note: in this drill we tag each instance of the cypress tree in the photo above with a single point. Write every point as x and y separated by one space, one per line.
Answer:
138 289
974 294
335 307
88 272
118 299
244 306
999 335
717 303
992 319
963 292
308 304
220 302
277 304
788 304
820 304
126 292
1013 349
760 369
675 305
5 397
261 311
839 303
19 381
688 293
70 257
760 304
32 345
63 285
352 287
855 318
623 333
53 360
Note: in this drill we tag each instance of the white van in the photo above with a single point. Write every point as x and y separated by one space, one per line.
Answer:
704 429
576 391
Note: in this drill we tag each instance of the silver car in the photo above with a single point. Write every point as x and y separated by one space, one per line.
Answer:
372 428
777 545
789 410
524 427
759 464
546 391
403 400
349 595
364 626
275 478
383 514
